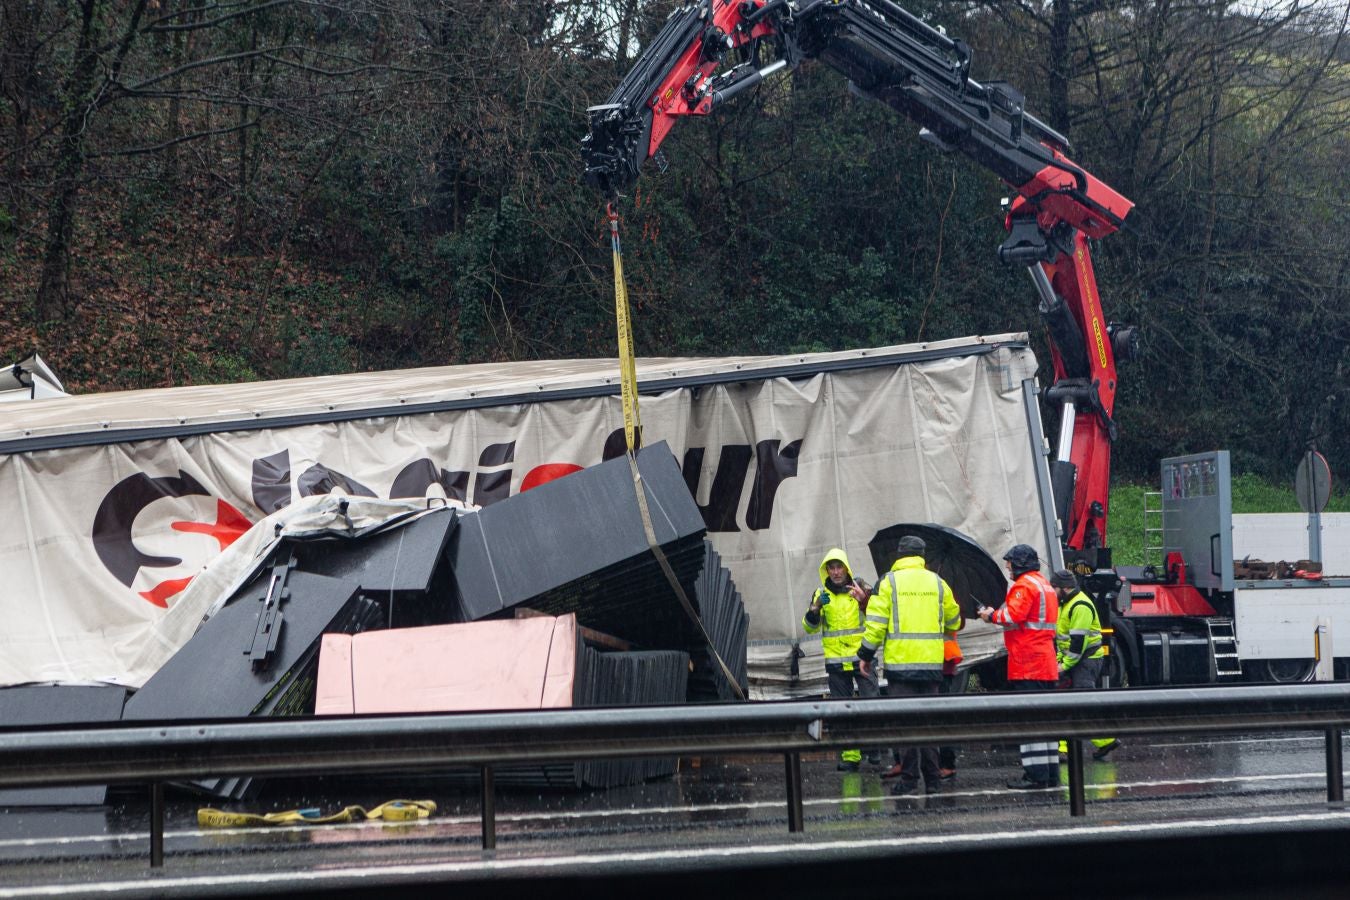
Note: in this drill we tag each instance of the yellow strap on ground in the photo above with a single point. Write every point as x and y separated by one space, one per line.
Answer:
403 810
391 811
632 432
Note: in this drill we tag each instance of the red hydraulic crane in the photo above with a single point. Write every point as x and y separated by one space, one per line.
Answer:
709 52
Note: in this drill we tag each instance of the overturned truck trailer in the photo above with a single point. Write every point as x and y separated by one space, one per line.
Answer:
116 501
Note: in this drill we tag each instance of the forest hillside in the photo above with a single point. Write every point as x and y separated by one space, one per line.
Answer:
260 189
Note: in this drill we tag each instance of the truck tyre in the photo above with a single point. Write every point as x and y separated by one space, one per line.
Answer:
1121 660
1287 671
993 675
1118 666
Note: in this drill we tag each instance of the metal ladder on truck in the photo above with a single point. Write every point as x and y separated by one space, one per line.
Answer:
1223 650
1153 528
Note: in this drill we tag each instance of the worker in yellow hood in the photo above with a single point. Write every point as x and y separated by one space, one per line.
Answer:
836 615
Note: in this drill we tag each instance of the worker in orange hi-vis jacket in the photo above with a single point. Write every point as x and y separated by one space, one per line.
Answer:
1029 616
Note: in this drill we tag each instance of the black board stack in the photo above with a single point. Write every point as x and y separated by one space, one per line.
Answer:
223 672
401 568
578 545
728 627
605 677
40 705
573 545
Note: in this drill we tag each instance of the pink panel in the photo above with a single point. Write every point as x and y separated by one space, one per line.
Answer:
562 664
499 664
333 694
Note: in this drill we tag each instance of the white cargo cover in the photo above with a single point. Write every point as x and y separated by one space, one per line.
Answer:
114 502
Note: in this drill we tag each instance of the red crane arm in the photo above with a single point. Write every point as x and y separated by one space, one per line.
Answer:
891 55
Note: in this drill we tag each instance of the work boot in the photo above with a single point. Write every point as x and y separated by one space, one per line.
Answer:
848 766
1026 784
1103 752
903 788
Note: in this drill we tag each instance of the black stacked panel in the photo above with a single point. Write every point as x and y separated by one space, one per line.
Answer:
607 678
29 706
578 545
213 676
401 567
728 627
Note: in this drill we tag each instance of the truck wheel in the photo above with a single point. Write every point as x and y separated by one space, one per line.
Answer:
1289 671
1118 667
993 675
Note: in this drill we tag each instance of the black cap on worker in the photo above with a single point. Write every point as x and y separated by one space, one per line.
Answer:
1063 578
1023 557
911 545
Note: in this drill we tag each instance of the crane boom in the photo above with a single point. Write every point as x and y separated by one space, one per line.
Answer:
711 51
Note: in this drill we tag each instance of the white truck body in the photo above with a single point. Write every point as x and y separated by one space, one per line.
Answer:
1279 619
117 501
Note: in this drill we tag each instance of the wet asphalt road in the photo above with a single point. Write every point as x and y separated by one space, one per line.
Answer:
714 815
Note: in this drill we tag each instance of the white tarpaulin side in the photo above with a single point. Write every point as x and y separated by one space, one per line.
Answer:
787 456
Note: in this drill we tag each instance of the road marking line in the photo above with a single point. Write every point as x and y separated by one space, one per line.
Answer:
587 861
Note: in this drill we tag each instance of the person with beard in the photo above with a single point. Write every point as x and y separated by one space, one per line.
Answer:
1081 650
836 614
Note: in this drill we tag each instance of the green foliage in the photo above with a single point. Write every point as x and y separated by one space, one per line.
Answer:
1126 524
309 335
1252 493
223 368
142 206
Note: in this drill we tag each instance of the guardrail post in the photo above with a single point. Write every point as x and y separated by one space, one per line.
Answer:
156 825
1077 804
793 763
1335 777
489 801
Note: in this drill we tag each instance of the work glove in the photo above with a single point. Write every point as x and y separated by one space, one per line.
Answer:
822 597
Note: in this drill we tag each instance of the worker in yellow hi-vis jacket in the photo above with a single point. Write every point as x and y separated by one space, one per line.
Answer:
836 608
1078 647
908 622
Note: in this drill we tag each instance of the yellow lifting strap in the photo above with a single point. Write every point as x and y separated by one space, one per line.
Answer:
632 432
632 422
392 811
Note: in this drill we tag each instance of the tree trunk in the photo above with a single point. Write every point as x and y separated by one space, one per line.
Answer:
627 13
54 290
80 101
240 237
18 85
1061 65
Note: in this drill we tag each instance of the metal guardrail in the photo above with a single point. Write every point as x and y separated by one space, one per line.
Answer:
156 753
